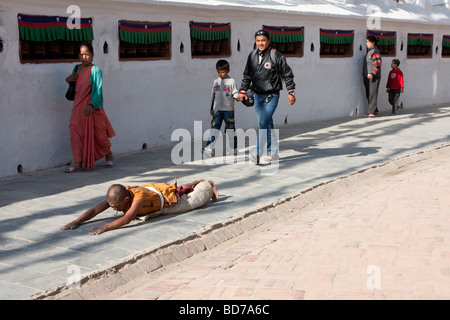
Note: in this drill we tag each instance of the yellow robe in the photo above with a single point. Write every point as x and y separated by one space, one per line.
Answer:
152 200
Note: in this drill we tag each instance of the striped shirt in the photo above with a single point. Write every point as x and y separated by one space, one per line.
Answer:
373 62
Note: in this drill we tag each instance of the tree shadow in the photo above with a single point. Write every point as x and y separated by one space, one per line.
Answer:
33 207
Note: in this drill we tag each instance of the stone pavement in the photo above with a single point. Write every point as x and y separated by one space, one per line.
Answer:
385 235
37 259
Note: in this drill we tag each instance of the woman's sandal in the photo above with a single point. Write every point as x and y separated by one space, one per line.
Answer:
72 170
109 164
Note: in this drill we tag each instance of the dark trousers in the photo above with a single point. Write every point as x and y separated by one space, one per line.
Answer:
372 86
216 123
394 98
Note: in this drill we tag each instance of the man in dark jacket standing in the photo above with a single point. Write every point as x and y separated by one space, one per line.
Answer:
263 74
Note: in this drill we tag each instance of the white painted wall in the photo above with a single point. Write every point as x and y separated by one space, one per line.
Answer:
147 101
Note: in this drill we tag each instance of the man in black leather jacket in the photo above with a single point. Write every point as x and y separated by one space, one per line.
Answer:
264 72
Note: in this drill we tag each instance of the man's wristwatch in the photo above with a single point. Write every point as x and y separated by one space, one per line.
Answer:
292 93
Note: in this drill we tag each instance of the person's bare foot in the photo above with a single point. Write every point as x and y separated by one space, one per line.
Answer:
215 196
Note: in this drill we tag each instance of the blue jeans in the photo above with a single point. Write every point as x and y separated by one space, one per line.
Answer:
265 108
216 123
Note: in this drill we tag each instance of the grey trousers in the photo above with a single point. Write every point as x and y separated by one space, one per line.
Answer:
372 86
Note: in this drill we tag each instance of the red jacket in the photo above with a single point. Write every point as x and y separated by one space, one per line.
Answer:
395 80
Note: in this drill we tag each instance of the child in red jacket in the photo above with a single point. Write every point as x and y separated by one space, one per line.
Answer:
395 85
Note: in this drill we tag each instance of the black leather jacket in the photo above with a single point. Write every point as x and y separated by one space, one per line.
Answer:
266 77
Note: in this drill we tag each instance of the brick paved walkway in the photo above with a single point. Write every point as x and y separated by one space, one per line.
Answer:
386 238
37 259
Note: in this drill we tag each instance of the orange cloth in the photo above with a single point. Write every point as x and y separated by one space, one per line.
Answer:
89 136
151 200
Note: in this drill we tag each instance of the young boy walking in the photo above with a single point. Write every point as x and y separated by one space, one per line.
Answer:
395 85
224 93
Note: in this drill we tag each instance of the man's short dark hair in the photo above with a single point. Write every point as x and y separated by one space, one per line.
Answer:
222 65
396 62
262 32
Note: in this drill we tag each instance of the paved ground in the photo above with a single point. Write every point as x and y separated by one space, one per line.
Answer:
387 237
36 257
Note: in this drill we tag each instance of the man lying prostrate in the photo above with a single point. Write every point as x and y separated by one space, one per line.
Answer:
148 201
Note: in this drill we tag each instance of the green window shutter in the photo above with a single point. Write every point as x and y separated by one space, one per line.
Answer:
210 32
446 41
336 36
144 33
415 39
285 34
384 38
44 29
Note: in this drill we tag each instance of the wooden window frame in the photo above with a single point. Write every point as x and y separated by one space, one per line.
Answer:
294 49
290 49
55 51
145 52
419 51
343 50
210 49
36 52
336 50
445 50
386 50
